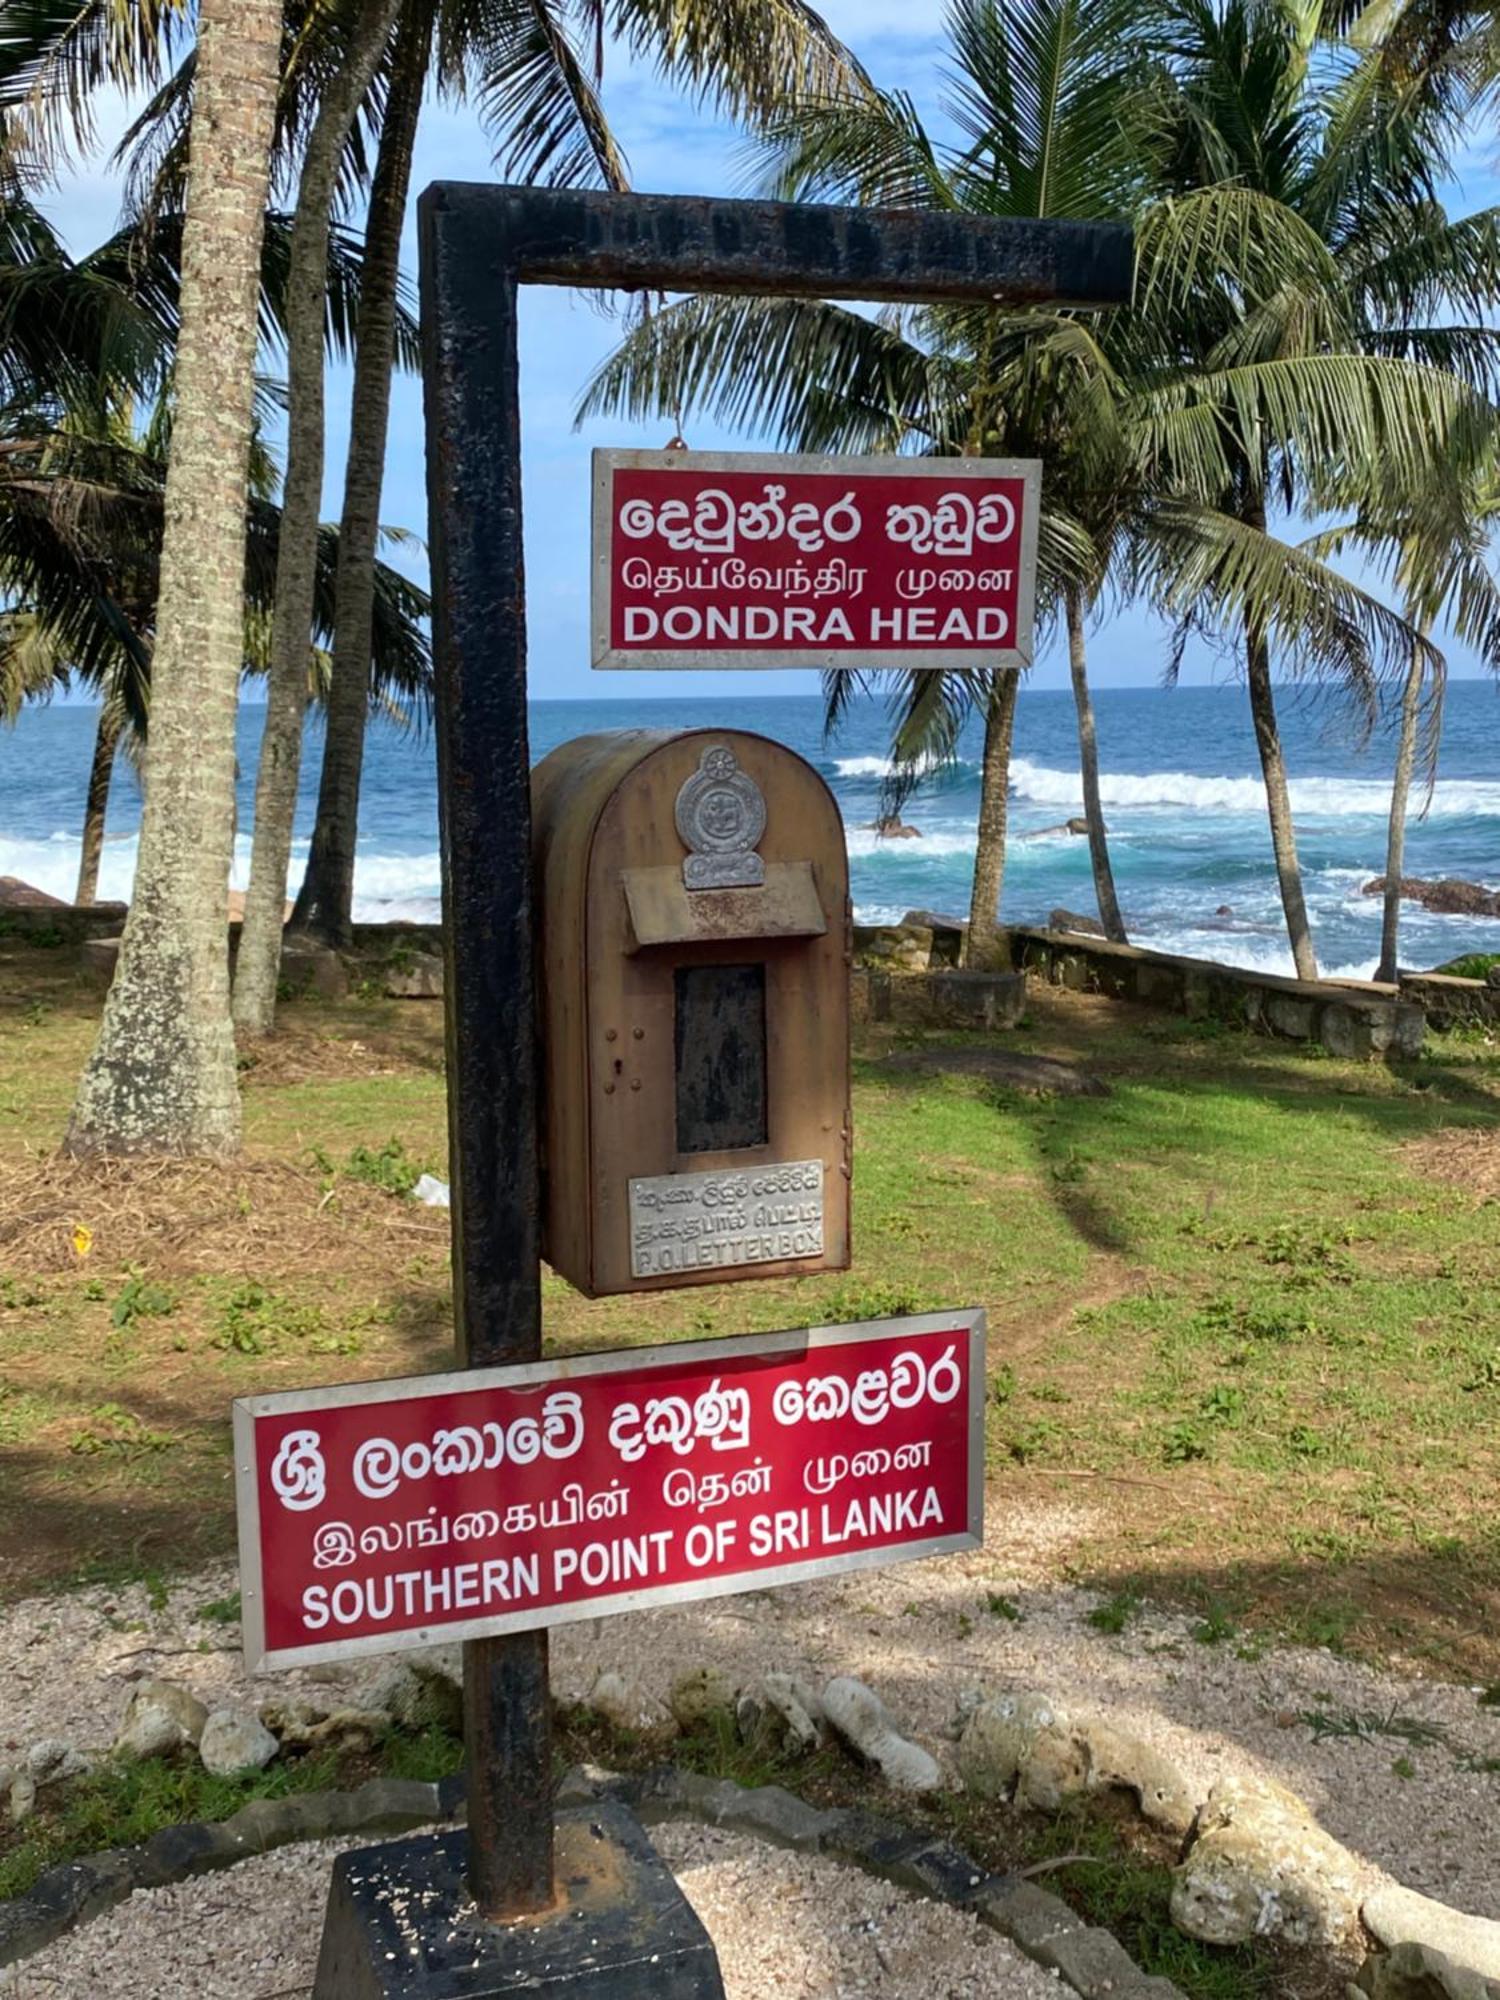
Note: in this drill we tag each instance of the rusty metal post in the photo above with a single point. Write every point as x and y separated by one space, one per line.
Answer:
484 801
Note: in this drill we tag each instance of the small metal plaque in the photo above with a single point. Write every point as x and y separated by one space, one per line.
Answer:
767 1214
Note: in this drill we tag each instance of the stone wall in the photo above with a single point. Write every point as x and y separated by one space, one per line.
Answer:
1452 1003
1347 1018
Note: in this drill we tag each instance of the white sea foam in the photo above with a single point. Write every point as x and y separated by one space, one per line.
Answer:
1312 797
882 767
865 845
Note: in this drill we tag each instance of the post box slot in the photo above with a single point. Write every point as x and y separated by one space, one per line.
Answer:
721 1057
664 911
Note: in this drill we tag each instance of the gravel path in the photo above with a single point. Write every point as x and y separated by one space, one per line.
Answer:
252 1933
918 1634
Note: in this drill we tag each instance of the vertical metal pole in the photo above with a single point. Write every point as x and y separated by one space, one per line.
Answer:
484 805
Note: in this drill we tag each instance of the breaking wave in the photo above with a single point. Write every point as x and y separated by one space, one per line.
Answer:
1187 791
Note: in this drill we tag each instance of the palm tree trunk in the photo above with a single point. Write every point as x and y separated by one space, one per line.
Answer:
259 964
96 805
1278 802
1088 760
162 1076
325 904
1395 844
981 946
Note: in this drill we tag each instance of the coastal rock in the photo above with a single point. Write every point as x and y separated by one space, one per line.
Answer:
1418 1972
313 968
1002 1736
1492 977
781 1713
159 1716
1447 896
894 948
1070 920
1120 1762
859 1716
1261 1866
892 829
1398 1916
22 1797
419 977
698 1694
50 1760
303 1725
621 1702
18 895
233 1743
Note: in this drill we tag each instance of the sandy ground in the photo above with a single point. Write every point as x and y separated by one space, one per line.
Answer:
786 1927
919 1634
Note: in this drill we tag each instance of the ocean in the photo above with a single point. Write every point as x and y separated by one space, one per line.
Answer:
1182 797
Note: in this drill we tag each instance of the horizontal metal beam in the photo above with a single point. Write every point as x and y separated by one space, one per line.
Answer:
669 242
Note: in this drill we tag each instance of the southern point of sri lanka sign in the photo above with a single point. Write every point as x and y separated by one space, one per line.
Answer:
755 560
388 1514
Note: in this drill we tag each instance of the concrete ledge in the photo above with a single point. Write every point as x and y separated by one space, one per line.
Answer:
985 1000
1452 1003
1348 1018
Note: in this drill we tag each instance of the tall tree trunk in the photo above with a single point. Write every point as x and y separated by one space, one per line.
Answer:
1395 843
162 1074
1088 760
258 966
1278 802
96 805
326 900
982 944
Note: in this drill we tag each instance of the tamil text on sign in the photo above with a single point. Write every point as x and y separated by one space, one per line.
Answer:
754 560
451 1506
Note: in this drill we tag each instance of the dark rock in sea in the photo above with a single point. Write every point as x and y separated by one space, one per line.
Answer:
1069 920
1446 897
1223 911
1078 827
892 829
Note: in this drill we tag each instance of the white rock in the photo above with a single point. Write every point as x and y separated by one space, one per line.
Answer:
22 1797
1400 1916
231 1743
1016 1733
1261 1866
50 1760
159 1716
859 1716
621 1702
699 1693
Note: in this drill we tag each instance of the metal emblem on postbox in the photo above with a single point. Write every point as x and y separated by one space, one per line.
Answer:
692 917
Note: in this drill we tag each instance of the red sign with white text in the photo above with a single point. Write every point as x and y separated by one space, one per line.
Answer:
393 1514
754 560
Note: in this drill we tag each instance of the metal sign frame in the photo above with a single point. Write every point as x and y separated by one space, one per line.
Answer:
637 1361
845 659
478 245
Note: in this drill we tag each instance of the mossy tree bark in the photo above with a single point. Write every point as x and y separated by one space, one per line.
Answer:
258 967
1088 760
325 903
96 803
981 946
162 1076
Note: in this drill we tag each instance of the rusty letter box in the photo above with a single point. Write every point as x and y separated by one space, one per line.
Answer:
692 896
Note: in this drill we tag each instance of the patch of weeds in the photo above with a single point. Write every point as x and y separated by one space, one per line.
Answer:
221 1610
1365 1725
94 1289
866 1301
1034 1440
253 1319
1002 1385
429 1754
119 1433
18 1295
388 1168
1214 1627
1302 1441
1403 1767
141 1297
1183 1443
1000 1606
1224 1404
20 1414
1489 1697
1487 1375
1275 1325
1116 1612
1315 1257
1072 1168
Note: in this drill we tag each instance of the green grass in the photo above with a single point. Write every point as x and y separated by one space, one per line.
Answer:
1228 1309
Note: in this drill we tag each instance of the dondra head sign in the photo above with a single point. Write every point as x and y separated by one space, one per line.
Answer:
711 559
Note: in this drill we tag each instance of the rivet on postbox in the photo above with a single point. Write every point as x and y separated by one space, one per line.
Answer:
696 886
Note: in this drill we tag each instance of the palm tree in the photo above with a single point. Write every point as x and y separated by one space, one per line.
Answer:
258 966
540 96
1257 360
1044 97
162 1075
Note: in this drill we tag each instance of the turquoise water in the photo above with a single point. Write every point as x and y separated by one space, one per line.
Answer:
1182 795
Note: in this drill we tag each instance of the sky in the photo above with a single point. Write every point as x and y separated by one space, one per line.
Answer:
671 147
